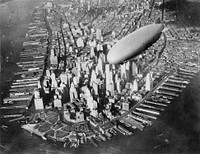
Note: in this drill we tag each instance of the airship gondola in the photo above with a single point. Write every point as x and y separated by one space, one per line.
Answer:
135 43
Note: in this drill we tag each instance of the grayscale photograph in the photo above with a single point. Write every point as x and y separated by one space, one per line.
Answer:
100 76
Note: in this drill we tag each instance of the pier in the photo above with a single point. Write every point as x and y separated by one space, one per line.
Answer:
76 95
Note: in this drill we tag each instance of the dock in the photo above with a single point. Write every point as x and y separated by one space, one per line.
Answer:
49 71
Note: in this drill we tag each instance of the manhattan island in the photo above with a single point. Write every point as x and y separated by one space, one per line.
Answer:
74 94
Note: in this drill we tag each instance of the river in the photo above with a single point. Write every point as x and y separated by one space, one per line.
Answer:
177 130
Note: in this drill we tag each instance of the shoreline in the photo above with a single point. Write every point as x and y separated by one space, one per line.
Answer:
107 135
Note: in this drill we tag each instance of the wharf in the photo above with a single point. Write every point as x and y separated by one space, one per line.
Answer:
20 98
51 124
142 109
140 115
155 103
26 79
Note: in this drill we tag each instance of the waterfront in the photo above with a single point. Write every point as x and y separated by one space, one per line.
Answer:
140 142
176 131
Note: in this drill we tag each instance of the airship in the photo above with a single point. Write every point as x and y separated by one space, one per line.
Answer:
135 43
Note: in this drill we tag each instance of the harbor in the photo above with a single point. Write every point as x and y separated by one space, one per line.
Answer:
66 92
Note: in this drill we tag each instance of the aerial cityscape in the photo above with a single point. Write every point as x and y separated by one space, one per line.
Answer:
100 76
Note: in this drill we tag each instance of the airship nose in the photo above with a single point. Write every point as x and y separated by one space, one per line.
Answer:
111 58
